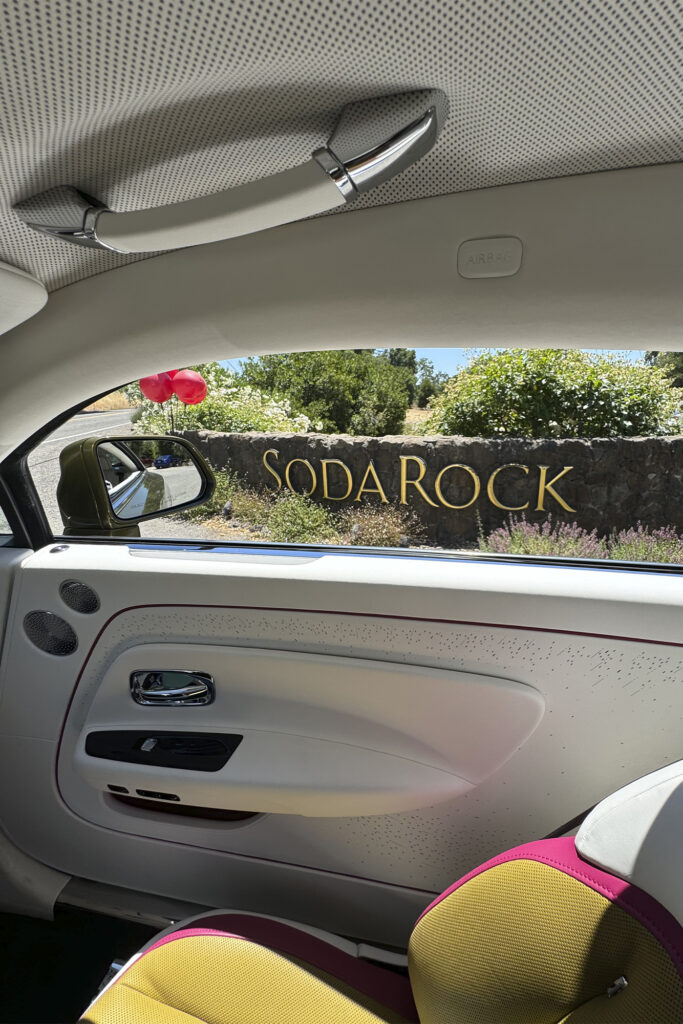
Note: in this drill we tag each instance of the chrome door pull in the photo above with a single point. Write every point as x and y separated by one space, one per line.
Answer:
172 688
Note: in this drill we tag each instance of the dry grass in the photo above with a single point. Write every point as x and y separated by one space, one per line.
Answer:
116 400
380 526
416 415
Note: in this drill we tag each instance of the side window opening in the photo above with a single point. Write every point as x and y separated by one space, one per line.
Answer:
5 530
515 452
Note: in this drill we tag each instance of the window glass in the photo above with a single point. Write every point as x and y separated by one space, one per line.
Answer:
111 415
117 466
517 452
5 530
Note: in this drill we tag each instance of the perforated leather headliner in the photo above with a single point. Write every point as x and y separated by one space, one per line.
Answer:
144 102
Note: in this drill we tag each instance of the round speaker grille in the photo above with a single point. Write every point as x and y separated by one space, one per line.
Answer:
50 633
79 596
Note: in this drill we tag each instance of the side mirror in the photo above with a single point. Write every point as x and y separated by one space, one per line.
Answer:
110 484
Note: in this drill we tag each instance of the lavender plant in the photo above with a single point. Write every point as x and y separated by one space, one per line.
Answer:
638 544
567 540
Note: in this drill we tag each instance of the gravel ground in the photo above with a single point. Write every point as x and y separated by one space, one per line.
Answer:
182 529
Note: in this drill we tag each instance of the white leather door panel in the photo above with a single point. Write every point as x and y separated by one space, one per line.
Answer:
599 647
10 559
322 736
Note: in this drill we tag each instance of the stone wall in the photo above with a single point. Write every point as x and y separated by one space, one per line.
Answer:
458 486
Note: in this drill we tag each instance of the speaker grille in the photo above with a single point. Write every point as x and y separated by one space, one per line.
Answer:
49 633
79 597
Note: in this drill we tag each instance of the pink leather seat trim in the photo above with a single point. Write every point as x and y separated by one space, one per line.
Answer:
188 933
385 986
561 854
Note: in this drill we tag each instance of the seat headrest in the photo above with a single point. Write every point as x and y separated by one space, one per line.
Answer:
637 834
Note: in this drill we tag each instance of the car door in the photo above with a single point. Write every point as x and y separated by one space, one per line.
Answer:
380 723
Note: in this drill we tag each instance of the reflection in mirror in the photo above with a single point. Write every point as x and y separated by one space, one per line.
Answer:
146 476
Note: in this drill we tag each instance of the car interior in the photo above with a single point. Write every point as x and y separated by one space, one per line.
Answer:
267 783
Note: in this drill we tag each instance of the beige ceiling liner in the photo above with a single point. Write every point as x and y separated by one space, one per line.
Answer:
149 103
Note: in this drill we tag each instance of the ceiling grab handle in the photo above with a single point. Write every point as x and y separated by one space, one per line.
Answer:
373 141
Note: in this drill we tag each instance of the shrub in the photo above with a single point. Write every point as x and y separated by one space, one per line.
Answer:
671 363
642 545
381 408
230 405
247 505
553 393
252 507
568 540
227 485
380 526
637 544
296 519
342 392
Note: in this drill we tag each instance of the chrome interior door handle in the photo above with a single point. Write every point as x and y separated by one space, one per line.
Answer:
172 688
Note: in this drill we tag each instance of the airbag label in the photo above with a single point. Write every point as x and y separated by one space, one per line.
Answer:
490 257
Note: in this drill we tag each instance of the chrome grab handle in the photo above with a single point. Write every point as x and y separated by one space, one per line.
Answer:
172 688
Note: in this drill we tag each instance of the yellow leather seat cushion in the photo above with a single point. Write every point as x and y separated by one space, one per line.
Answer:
218 979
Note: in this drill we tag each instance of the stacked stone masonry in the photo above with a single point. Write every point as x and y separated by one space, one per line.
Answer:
460 486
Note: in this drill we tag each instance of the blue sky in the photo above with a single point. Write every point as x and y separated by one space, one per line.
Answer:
453 359
450 360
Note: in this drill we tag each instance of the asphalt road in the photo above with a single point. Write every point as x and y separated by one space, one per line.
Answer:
181 483
44 460
44 465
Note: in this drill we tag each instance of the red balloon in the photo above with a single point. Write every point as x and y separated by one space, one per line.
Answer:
189 386
172 373
157 387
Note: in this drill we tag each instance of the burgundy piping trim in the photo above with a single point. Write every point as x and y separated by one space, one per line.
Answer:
316 611
562 855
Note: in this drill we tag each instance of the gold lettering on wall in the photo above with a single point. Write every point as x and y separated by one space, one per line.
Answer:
405 459
371 471
324 463
492 494
475 491
309 467
547 485
371 483
272 451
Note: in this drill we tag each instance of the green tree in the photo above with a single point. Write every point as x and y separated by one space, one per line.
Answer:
430 382
344 392
671 363
406 358
382 405
401 357
555 393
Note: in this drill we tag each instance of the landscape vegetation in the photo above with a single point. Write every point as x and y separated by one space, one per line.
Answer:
530 393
